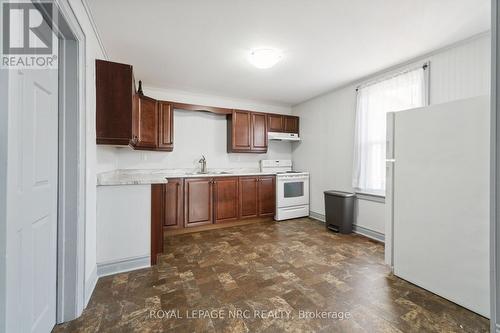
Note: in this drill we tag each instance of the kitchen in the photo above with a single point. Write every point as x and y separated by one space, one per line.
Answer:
252 167
236 184
188 197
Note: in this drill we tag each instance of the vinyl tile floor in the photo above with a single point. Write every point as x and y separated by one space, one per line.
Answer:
291 276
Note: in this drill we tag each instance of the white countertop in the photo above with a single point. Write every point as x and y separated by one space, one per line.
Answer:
160 176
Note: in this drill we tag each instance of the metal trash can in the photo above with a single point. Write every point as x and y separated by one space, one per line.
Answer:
339 211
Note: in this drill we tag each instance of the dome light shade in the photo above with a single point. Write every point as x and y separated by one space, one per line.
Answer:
265 58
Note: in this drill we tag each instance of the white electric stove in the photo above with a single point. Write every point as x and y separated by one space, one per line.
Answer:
292 189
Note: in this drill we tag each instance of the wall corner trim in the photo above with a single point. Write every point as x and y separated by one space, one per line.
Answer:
123 265
94 27
90 285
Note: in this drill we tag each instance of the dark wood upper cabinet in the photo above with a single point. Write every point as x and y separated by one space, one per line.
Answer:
275 123
198 203
291 124
226 199
239 133
165 126
247 132
282 123
145 123
267 195
248 188
125 117
259 132
114 102
173 203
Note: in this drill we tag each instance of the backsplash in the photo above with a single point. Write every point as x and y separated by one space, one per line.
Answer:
195 134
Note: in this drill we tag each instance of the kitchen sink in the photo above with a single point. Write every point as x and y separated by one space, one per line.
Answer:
209 173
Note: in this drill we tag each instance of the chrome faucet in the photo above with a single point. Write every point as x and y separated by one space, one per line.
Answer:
203 166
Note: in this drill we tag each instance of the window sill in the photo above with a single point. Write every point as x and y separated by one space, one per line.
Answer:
370 197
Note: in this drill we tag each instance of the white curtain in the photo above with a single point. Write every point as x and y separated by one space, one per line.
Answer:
403 91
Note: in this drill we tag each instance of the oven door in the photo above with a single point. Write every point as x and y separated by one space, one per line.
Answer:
293 191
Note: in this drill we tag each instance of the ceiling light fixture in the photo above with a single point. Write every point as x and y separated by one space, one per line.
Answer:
265 57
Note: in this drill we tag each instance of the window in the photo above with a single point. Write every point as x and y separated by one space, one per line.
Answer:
405 90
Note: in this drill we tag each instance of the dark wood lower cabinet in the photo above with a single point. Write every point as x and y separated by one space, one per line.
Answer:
198 201
257 196
267 195
157 208
173 204
249 195
192 202
226 199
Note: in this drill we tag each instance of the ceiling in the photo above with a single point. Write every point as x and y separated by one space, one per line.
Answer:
202 46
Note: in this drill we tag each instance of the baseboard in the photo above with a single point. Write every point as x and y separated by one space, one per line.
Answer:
378 236
498 328
317 216
123 265
237 223
90 285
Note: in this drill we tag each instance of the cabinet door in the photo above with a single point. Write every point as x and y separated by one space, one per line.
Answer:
173 204
165 127
259 132
275 123
267 196
197 201
114 97
248 187
146 123
291 124
226 199
241 131
157 208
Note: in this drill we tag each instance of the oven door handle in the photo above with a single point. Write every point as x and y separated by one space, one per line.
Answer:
292 208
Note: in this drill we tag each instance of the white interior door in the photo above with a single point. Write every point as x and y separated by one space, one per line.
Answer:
32 197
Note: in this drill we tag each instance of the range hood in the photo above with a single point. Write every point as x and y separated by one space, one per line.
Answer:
280 136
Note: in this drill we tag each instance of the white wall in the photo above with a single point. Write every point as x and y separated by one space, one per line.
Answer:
124 229
195 133
212 100
327 121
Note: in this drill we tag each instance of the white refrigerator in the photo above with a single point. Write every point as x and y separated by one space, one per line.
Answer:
437 200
